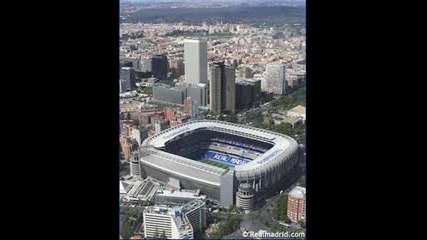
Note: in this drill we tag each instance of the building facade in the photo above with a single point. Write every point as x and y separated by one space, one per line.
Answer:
275 78
198 92
245 197
248 91
127 79
164 222
297 204
168 94
177 67
195 57
160 125
222 88
139 134
159 66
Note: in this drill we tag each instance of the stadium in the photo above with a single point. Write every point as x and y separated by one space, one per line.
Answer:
216 157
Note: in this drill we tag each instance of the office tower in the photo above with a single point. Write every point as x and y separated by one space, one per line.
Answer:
275 78
196 213
256 84
222 87
296 204
199 93
177 67
244 97
159 66
244 72
248 93
163 222
127 76
146 65
195 57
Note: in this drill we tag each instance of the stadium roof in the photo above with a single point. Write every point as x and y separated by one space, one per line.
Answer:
181 166
282 143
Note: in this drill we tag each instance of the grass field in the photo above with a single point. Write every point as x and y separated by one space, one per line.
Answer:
216 164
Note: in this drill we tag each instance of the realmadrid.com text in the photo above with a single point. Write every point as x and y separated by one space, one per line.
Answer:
292 235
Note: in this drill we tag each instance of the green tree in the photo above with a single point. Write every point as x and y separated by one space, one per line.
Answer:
232 117
281 208
148 90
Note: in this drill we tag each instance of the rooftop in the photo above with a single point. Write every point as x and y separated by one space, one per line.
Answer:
298 192
176 213
182 194
298 109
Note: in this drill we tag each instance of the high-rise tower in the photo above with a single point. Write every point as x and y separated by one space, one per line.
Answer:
195 57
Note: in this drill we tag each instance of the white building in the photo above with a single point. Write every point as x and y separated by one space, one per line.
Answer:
196 60
164 222
275 78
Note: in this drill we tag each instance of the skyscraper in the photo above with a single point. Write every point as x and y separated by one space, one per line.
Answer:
275 78
195 57
127 76
159 66
222 87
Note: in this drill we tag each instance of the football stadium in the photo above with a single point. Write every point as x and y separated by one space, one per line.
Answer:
216 157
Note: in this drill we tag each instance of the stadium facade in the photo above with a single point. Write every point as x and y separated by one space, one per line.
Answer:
216 157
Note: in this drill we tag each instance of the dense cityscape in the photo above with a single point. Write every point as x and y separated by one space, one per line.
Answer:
212 119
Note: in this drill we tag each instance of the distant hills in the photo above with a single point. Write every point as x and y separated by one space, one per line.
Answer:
232 14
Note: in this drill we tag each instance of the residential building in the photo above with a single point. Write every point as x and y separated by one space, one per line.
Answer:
297 204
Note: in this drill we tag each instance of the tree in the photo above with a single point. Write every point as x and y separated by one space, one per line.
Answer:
281 208
258 120
232 117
